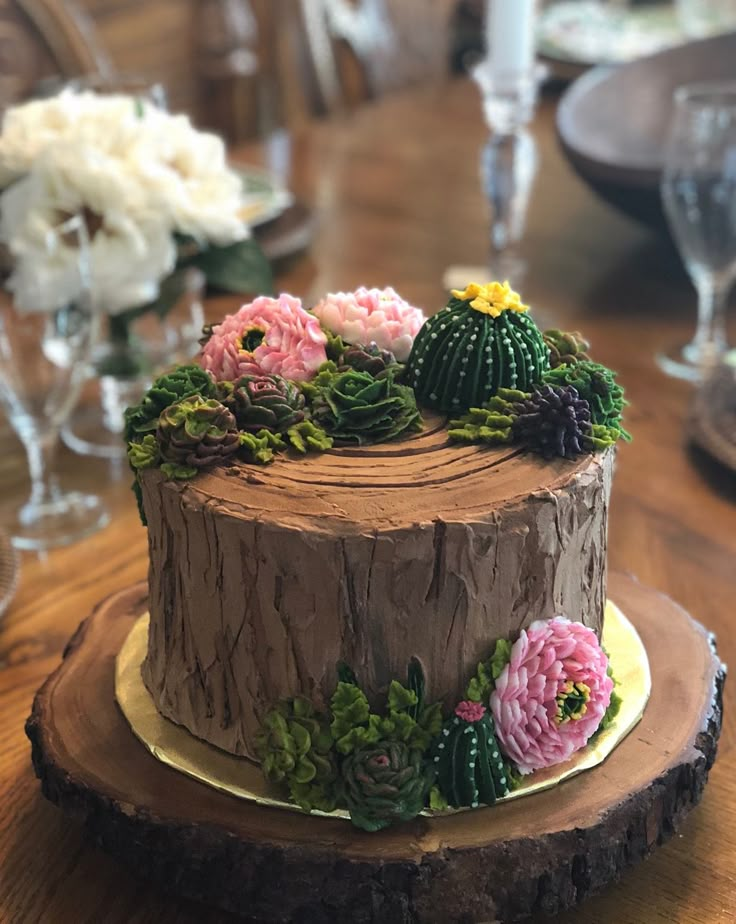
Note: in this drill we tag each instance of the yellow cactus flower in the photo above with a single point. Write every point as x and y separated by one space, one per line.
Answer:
491 298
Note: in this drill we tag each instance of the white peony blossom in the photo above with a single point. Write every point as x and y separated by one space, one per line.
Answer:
130 247
139 174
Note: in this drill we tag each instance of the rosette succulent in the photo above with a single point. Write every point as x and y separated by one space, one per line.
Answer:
353 407
196 432
370 358
552 695
470 766
597 385
263 402
381 316
565 347
553 420
166 390
481 342
294 745
267 336
384 783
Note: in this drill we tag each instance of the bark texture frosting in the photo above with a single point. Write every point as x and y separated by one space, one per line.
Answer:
262 580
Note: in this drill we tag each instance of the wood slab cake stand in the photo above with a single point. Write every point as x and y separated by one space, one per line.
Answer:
534 855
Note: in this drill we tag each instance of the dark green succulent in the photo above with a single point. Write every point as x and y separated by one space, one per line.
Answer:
384 783
263 402
294 745
597 385
166 390
353 407
195 433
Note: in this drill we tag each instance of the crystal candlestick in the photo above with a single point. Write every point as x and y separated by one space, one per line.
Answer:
508 160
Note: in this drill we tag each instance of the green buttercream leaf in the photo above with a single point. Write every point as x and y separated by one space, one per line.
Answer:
174 471
481 686
306 437
259 448
399 698
437 801
144 454
500 657
166 390
350 712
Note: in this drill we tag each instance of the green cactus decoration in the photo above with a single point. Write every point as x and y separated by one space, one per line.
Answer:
597 385
166 390
196 432
470 766
384 783
294 745
264 402
464 354
356 408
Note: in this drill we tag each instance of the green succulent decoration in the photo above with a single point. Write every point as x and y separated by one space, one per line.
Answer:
481 342
470 765
554 421
144 454
384 783
195 433
371 359
565 347
597 385
166 390
260 448
406 718
306 437
295 748
263 402
356 408
492 423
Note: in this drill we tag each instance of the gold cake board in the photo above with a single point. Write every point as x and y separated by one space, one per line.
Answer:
173 745
519 858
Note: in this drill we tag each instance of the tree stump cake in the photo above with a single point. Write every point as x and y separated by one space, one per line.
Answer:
261 581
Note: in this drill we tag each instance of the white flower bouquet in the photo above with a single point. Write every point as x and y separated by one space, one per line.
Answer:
156 195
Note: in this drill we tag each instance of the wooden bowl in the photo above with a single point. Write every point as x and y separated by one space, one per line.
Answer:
613 121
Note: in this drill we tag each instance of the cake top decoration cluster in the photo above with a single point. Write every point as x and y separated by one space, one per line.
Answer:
275 378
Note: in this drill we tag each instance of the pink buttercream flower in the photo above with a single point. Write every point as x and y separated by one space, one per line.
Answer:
469 711
272 335
551 696
366 316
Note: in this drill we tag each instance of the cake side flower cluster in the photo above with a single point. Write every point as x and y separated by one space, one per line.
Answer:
274 377
532 704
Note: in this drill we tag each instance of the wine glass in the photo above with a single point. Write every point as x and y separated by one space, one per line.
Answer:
44 351
699 195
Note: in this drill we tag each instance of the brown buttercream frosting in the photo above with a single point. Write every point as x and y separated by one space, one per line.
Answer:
263 578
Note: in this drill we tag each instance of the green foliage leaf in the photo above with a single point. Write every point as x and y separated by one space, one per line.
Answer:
241 267
399 698
480 687
437 801
305 437
173 471
350 712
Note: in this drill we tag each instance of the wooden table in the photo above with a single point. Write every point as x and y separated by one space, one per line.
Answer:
396 189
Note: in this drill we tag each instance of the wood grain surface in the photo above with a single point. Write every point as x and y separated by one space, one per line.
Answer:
542 853
395 187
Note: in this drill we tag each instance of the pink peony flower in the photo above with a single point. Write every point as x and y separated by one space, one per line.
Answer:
272 335
372 316
551 696
469 711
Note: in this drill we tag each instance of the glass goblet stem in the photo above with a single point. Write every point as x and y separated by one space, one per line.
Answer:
41 449
710 335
